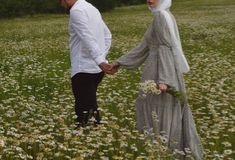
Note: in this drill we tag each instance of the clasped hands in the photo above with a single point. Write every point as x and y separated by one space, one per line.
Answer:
109 68
113 68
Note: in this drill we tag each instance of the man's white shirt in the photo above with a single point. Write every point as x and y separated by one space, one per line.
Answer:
90 38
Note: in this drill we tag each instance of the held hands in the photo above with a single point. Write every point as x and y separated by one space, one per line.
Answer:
113 68
109 68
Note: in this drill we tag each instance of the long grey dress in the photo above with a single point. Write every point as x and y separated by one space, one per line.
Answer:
174 117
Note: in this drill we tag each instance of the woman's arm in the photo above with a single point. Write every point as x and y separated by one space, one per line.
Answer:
135 57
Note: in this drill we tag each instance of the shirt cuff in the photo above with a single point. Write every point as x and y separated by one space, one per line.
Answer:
100 60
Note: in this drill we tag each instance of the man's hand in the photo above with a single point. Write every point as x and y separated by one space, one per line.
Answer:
106 68
162 87
109 68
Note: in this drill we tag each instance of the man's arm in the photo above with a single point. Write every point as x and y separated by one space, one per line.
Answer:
79 21
107 38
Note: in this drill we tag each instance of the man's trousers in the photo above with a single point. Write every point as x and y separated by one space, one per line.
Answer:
84 86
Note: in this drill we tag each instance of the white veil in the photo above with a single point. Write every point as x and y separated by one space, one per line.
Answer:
164 6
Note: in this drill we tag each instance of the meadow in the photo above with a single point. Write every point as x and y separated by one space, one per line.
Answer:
36 101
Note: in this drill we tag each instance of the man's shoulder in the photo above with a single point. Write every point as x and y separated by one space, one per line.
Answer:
78 8
83 7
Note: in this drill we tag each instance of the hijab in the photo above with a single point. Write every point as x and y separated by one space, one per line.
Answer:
163 6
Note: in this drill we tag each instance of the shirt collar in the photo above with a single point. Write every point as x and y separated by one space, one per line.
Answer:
78 2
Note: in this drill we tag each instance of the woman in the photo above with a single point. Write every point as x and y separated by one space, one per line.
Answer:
165 63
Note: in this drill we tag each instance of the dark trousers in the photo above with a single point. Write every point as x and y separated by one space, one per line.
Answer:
84 86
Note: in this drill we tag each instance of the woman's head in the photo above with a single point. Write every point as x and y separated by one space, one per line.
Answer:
152 3
159 4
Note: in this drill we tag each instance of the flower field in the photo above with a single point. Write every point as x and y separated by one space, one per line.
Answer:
36 101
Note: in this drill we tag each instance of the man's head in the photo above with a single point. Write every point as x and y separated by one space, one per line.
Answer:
67 4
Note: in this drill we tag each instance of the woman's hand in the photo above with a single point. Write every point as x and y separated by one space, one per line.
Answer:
114 68
162 87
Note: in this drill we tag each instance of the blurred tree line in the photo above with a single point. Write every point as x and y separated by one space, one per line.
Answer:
9 8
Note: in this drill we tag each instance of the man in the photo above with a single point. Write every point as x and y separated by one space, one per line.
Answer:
90 40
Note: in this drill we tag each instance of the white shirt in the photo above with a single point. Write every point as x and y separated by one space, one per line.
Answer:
90 38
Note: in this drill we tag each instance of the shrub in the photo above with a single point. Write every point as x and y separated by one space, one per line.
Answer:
103 5
9 8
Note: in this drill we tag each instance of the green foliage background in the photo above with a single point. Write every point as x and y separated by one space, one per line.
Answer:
10 8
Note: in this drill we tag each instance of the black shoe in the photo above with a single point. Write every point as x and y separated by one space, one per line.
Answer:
77 125
97 118
86 116
82 120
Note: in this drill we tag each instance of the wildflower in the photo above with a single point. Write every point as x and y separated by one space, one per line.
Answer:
176 151
154 115
2 143
163 139
149 86
227 144
187 150
228 152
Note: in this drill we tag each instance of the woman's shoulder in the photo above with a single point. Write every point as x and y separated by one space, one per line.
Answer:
159 17
159 14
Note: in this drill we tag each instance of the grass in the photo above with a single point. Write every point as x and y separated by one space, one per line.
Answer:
36 102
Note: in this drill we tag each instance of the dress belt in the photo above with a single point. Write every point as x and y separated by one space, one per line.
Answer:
158 46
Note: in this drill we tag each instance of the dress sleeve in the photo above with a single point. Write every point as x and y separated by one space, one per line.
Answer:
166 63
135 57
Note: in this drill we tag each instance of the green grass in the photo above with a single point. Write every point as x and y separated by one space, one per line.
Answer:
36 102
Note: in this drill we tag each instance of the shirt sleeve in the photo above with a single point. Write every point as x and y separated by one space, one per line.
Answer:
107 38
79 22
